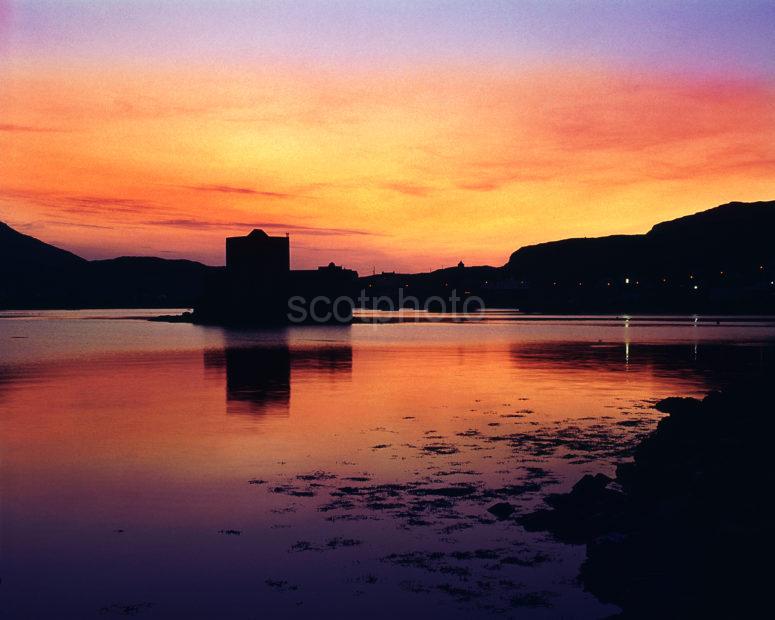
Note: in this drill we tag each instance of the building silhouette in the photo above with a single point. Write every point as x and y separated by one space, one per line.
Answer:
257 283
258 256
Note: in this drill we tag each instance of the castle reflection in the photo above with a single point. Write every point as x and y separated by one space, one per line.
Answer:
259 372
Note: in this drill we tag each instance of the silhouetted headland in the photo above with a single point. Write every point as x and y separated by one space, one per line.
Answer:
717 261
34 274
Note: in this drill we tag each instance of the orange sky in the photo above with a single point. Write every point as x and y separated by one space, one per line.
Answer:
407 167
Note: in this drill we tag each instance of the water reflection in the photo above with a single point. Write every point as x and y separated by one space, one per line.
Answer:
258 379
147 475
711 364
259 373
7 378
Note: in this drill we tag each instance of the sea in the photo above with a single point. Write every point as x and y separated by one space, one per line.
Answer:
169 470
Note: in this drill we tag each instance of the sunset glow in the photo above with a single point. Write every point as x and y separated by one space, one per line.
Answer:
392 140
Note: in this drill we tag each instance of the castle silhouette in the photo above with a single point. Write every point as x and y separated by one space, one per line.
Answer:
258 283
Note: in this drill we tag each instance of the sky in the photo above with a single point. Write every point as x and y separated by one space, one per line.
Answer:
389 135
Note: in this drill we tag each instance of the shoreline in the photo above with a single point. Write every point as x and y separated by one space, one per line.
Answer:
499 315
677 530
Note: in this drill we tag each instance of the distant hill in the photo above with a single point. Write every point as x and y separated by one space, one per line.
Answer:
735 237
722 258
23 251
34 274
146 282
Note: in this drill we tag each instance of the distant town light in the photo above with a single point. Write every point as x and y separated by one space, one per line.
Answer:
696 287
626 280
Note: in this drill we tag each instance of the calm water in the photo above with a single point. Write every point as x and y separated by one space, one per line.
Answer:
169 470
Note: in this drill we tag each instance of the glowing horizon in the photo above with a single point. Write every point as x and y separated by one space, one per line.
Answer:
379 135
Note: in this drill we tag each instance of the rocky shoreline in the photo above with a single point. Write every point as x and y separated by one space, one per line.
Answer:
681 530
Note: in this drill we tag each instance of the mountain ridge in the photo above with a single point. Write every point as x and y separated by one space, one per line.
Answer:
36 274
720 258
741 231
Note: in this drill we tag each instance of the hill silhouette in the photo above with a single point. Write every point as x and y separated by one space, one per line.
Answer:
719 260
34 274
730 237
32 254
722 258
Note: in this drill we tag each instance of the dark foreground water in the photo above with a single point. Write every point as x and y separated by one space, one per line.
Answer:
169 470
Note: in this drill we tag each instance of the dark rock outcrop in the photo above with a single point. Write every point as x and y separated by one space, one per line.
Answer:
501 510
683 529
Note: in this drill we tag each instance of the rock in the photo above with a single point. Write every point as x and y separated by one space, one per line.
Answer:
501 510
591 485
677 405
456 491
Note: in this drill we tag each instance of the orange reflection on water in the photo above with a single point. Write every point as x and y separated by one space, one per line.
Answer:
160 443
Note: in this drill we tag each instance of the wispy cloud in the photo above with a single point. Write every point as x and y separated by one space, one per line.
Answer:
409 189
230 189
100 204
194 224
80 225
10 127
116 209
62 210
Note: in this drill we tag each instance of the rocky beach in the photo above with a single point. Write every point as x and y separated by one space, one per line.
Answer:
680 530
